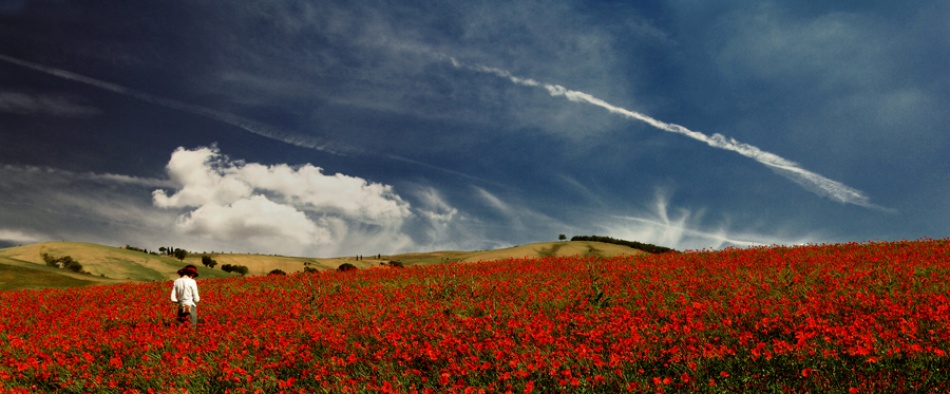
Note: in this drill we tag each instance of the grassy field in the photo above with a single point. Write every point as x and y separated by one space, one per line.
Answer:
24 267
555 249
16 275
540 249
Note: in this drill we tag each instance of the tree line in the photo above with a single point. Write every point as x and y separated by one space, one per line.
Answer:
181 254
649 248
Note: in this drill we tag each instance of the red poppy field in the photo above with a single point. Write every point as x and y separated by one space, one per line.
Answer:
872 317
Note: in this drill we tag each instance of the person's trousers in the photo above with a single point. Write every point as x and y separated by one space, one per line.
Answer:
191 314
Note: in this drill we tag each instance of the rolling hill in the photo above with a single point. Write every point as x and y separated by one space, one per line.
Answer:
24 267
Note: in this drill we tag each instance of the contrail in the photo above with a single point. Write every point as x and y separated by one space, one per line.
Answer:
231 119
811 181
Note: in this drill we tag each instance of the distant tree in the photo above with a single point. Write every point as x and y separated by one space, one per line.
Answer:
162 249
241 270
561 237
207 261
50 260
276 271
180 254
346 267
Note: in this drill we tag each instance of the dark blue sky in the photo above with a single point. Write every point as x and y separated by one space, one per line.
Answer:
331 128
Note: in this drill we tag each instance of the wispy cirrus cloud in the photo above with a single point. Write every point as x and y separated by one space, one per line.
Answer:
16 173
44 104
221 116
45 203
682 228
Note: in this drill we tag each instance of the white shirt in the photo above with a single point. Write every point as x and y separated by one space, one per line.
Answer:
185 291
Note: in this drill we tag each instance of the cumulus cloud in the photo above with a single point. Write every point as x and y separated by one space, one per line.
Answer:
280 208
308 187
203 179
255 217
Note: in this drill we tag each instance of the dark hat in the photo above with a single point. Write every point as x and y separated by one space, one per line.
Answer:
189 270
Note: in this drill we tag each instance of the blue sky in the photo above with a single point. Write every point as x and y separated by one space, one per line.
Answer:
337 128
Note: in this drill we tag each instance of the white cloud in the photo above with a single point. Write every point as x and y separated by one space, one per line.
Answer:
18 236
280 208
493 201
201 175
434 206
307 186
266 224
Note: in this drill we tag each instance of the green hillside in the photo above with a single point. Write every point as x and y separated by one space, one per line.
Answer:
16 275
103 262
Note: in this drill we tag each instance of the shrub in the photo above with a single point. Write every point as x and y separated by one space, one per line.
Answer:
346 267
396 264
234 268
276 271
65 262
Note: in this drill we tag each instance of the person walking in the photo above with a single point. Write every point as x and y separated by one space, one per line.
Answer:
185 294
